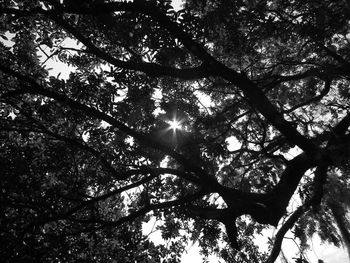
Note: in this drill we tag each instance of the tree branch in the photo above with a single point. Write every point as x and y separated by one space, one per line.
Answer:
109 194
315 200
283 230
324 92
334 55
145 139
72 141
151 69
150 9
342 126
255 95
142 211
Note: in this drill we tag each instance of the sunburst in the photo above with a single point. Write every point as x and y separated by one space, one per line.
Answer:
174 124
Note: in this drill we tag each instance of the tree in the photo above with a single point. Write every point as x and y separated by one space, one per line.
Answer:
87 160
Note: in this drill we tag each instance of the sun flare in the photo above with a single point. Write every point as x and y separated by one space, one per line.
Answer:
174 125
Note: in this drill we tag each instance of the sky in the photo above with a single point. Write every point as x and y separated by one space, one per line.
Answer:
329 254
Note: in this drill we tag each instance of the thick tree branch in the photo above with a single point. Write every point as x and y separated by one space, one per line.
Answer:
295 170
254 94
297 167
258 100
151 69
335 55
80 144
283 230
150 9
251 200
144 210
315 200
324 92
276 80
145 139
288 183
341 128
109 194
72 141
206 212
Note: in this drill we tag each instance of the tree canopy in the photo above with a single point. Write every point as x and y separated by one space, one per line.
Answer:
210 120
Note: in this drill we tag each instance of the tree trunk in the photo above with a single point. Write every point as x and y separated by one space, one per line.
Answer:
283 258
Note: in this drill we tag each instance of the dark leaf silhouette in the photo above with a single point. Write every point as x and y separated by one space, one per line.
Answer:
205 122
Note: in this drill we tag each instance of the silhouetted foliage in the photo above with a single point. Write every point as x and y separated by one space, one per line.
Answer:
260 89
